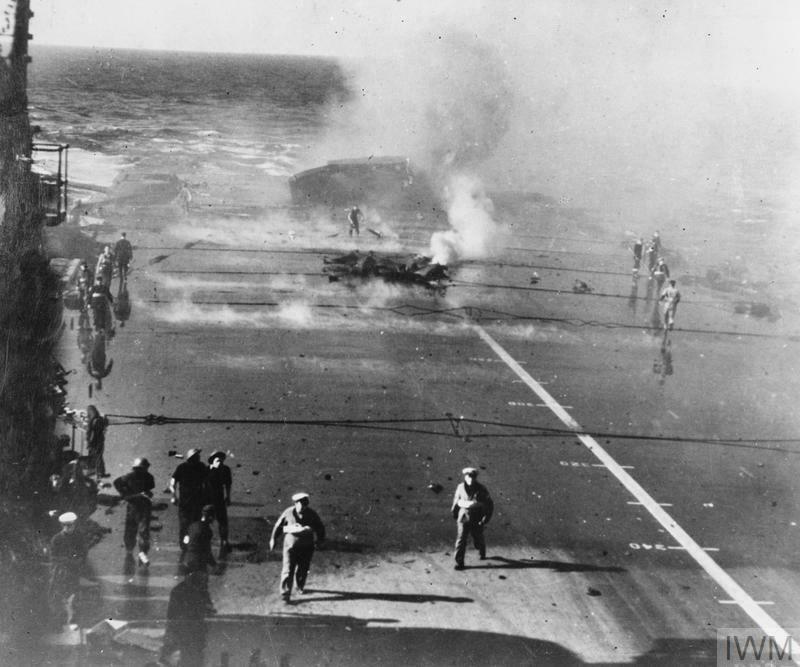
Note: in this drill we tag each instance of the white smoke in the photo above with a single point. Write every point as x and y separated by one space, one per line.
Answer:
473 232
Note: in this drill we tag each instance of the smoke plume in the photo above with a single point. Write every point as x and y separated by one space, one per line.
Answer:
444 103
473 233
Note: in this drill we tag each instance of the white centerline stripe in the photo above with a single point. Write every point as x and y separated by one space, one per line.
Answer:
756 601
725 581
636 502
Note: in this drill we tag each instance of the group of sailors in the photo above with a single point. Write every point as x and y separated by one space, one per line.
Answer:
658 279
651 255
202 493
94 286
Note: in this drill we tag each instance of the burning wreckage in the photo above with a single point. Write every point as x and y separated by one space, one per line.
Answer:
401 269
383 182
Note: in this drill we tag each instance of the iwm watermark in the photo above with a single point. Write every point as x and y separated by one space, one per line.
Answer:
745 647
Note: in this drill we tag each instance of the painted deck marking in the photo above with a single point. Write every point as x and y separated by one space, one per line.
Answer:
767 602
636 502
603 465
739 596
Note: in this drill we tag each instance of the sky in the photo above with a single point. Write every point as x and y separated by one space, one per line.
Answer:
354 28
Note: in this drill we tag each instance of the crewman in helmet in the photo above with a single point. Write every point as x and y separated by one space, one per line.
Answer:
136 489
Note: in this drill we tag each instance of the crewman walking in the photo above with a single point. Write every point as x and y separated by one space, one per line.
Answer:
660 273
187 486
100 301
185 196
472 509
197 556
85 283
638 248
123 254
354 217
96 425
656 242
302 530
105 265
651 255
67 559
218 489
136 489
669 298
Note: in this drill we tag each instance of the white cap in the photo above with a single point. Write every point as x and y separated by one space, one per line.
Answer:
68 517
299 496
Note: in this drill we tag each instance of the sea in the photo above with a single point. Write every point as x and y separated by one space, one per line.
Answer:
217 121
208 115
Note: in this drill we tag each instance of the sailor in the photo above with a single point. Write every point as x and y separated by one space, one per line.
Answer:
197 556
100 301
472 508
354 217
638 247
96 425
136 489
67 558
76 491
185 196
669 298
187 485
218 489
105 265
302 530
123 253
660 273
651 255
85 282
656 241
197 542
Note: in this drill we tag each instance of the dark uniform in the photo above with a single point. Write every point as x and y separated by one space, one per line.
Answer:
188 486
218 494
197 556
123 254
96 440
472 509
75 492
660 274
100 301
136 489
637 254
85 282
67 557
652 257
656 242
302 529
186 629
354 216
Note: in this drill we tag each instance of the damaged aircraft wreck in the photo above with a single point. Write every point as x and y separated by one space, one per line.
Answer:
411 270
